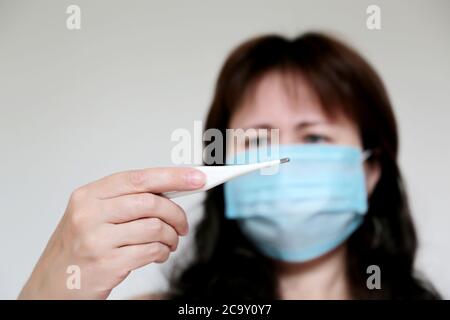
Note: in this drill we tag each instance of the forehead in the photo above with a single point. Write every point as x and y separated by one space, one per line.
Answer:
278 99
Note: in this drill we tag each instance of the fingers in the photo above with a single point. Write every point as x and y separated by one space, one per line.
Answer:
154 180
136 256
145 205
145 231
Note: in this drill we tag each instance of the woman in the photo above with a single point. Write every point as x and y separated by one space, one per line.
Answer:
326 101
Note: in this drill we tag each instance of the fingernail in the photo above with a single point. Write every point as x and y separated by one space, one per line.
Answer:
186 230
196 178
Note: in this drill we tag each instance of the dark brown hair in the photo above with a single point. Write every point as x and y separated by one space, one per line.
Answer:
226 264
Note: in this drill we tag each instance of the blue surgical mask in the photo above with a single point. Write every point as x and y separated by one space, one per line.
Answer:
308 208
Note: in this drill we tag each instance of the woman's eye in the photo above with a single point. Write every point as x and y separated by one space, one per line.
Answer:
315 138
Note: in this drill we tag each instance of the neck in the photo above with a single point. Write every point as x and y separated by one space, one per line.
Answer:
322 278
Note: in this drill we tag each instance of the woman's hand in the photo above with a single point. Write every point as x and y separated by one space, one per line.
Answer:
111 227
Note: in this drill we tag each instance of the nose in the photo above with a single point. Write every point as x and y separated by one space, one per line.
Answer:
287 136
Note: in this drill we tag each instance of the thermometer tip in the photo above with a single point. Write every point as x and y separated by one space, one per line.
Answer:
284 160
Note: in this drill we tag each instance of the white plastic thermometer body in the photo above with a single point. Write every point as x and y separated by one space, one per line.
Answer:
216 175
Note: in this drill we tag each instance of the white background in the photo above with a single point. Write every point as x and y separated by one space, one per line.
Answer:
78 105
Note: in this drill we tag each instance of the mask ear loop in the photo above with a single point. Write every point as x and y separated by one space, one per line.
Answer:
376 223
366 154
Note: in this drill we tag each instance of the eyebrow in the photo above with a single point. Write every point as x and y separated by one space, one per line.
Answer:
300 126
259 126
308 124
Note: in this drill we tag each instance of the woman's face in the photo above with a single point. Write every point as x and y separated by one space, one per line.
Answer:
286 102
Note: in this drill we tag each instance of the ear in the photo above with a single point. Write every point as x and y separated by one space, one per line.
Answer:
372 170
